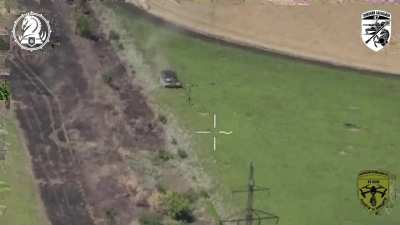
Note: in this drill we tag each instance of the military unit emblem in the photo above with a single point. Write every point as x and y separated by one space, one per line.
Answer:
31 31
376 29
374 189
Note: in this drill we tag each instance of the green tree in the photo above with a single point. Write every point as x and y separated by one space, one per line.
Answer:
150 219
4 45
83 27
182 154
113 35
4 90
178 206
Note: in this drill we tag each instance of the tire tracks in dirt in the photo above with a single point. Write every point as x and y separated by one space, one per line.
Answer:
76 126
55 188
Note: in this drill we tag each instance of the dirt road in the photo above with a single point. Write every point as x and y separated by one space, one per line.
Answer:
77 127
324 31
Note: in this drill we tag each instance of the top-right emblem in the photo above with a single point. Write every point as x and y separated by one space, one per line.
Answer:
376 29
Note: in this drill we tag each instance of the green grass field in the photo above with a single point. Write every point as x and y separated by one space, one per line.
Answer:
288 117
22 201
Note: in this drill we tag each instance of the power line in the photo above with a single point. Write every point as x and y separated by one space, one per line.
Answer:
252 216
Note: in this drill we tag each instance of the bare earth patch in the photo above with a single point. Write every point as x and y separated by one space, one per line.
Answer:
325 31
77 127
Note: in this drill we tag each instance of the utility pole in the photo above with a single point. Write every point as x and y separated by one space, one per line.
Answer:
252 216
250 196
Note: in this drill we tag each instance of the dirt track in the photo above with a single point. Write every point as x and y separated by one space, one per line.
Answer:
76 126
323 31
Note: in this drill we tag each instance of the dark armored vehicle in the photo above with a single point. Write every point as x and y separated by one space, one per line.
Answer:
169 79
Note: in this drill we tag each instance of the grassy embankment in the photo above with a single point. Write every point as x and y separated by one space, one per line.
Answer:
22 199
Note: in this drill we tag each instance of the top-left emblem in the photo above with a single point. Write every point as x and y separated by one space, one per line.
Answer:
31 31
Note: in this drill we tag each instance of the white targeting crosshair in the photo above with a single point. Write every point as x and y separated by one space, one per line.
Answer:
215 131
